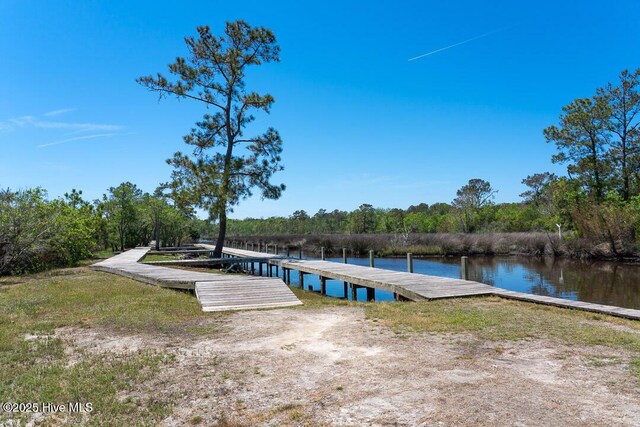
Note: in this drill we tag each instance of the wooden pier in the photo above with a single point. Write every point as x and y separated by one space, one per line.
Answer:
215 291
411 286
219 292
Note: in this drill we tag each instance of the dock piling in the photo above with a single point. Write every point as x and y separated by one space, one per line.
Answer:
345 284
409 262
464 268
371 294
371 262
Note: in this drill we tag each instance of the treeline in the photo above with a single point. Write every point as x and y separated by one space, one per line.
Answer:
37 233
598 138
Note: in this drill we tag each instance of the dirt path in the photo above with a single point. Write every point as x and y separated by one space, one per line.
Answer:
331 366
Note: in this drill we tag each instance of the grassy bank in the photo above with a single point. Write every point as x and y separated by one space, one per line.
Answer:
495 319
37 366
440 244
34 366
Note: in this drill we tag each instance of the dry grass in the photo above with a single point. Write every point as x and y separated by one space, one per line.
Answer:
418 243
494 319
438 244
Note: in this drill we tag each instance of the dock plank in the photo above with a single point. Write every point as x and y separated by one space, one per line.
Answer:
215 291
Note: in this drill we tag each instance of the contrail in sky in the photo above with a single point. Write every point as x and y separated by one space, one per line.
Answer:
77 138
457 44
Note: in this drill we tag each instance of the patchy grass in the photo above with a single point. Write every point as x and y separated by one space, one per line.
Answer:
314 300
635 366
33 363
81 297
497 319
159 257
103 254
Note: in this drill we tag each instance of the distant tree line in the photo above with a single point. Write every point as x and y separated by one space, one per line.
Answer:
37 233
473 210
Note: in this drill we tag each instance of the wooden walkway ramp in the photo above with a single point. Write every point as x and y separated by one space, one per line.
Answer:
216 292
420 287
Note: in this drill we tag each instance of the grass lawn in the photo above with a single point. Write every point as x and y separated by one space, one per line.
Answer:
159 257
34 366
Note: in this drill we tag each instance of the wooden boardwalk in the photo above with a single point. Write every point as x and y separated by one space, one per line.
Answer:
216 292
420 287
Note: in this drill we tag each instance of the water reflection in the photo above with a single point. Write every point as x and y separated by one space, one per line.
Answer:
602 282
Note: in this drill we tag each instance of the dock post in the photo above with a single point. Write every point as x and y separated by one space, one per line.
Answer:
354 292
464 268
322 253
323 285
301 279
288 251
409 262
371 262
259 268
299 251
275 252
371 294
253 268
345 284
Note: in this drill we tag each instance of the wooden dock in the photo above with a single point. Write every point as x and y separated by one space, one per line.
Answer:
216 292
414 286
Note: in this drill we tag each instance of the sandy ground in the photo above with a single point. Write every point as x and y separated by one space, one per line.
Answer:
332 366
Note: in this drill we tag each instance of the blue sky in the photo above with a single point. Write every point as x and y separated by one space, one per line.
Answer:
360 122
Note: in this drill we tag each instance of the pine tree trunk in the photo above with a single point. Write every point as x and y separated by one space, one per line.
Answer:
222 231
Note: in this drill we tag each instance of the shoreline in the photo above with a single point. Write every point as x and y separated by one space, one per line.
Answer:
432 245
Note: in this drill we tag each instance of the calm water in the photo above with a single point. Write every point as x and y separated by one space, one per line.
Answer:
602 282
